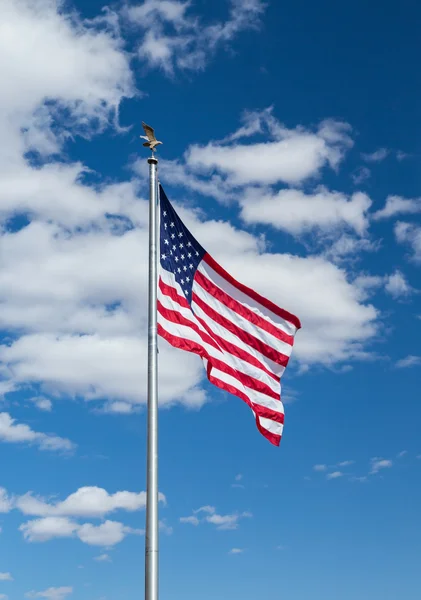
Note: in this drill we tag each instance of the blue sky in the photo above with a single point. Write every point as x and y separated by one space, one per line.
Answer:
292 151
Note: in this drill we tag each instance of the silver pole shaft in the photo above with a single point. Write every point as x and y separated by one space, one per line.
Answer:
152 539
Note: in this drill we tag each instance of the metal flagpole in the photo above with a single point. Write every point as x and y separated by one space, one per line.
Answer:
152 536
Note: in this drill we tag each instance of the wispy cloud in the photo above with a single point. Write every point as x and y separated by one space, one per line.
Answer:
360 175
103 558
334 475
53 593
346 463
320 468
397 205
402 453
6 577
237 480
42 403
193 520
409 361
167 529
15 433
229 521
89 501
6 502
376 156
400 155
106 534
379 463
224 522
205 509
409 233
397 285
236 551
173 39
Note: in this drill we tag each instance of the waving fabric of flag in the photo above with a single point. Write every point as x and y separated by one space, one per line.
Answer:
245 340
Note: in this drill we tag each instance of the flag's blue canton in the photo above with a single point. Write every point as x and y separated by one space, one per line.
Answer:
180 253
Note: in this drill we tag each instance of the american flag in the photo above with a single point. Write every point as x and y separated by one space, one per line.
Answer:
243 339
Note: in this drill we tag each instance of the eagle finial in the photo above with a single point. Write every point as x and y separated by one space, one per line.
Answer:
151 142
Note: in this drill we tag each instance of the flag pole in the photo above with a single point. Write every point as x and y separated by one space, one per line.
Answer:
152 519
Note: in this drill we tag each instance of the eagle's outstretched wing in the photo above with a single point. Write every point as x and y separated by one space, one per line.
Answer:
150 133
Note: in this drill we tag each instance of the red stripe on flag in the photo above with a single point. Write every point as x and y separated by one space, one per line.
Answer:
247 380
168 290
242 310
245 337
176 317
284 314
272 437
194 347
236 351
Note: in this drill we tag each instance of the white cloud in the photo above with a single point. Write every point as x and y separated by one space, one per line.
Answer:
81 70
224 522
397 286
103 558
360 175
174 39
42 530
74 62
6 577
320 468
42 403
334 475
6 503
292 157
402 453
210 510
58 519
409 361
167 529
106 534
89 501
376 156
379 463
346 463
52 593
15 433
253 123
192 520
407 233
368 283
238 477
119 407
236 551
396 205
348 247
4 597
297 212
